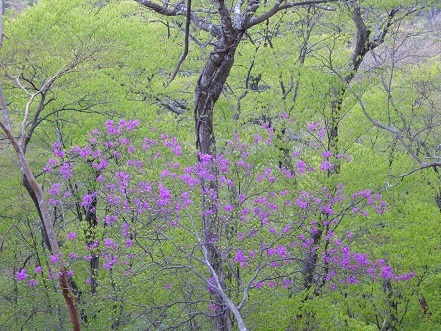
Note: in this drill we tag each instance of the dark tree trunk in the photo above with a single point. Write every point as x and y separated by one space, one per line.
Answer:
33 196
310 262
209 87
362 46
92 223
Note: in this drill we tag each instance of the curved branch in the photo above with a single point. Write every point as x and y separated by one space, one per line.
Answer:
176 11
279 7
186 41
221 292
225 17
396 132
180 10
69 296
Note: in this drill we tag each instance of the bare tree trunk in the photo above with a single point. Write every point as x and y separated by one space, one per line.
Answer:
26 184
208 89
26 171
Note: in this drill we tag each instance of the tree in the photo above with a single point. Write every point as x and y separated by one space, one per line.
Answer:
233 24
147 230
227 27
19 145
52 61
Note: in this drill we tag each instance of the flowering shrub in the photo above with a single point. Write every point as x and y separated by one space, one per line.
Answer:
138 203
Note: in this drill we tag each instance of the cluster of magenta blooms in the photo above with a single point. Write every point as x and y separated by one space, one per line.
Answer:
152 183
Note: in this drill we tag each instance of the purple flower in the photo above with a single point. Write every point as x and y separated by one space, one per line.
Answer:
240 257
326 154
285 230
326 166
57 149
88 199
166 286
21 275
302 200
353 280
55 189
189 180
387 272
186 199
53 202
125 229
38 269
313 126
52 162
33 283
93 245
102 165
406 277
327 210
54 258
109 219
260 284
66 170
362 259
110 128
281 251
71 236
228 208
164 195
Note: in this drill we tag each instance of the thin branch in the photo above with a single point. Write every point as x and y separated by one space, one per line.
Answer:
186 43
396 132
44 88
179 10
422 167
219 289
278 7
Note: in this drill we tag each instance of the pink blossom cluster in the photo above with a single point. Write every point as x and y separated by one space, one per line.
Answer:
144 191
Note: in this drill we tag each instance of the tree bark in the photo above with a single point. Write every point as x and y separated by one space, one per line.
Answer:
209 87
26 171
27 186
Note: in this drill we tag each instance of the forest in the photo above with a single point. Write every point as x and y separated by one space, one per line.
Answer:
221 165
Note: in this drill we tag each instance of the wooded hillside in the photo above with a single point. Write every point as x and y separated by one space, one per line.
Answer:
220 165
